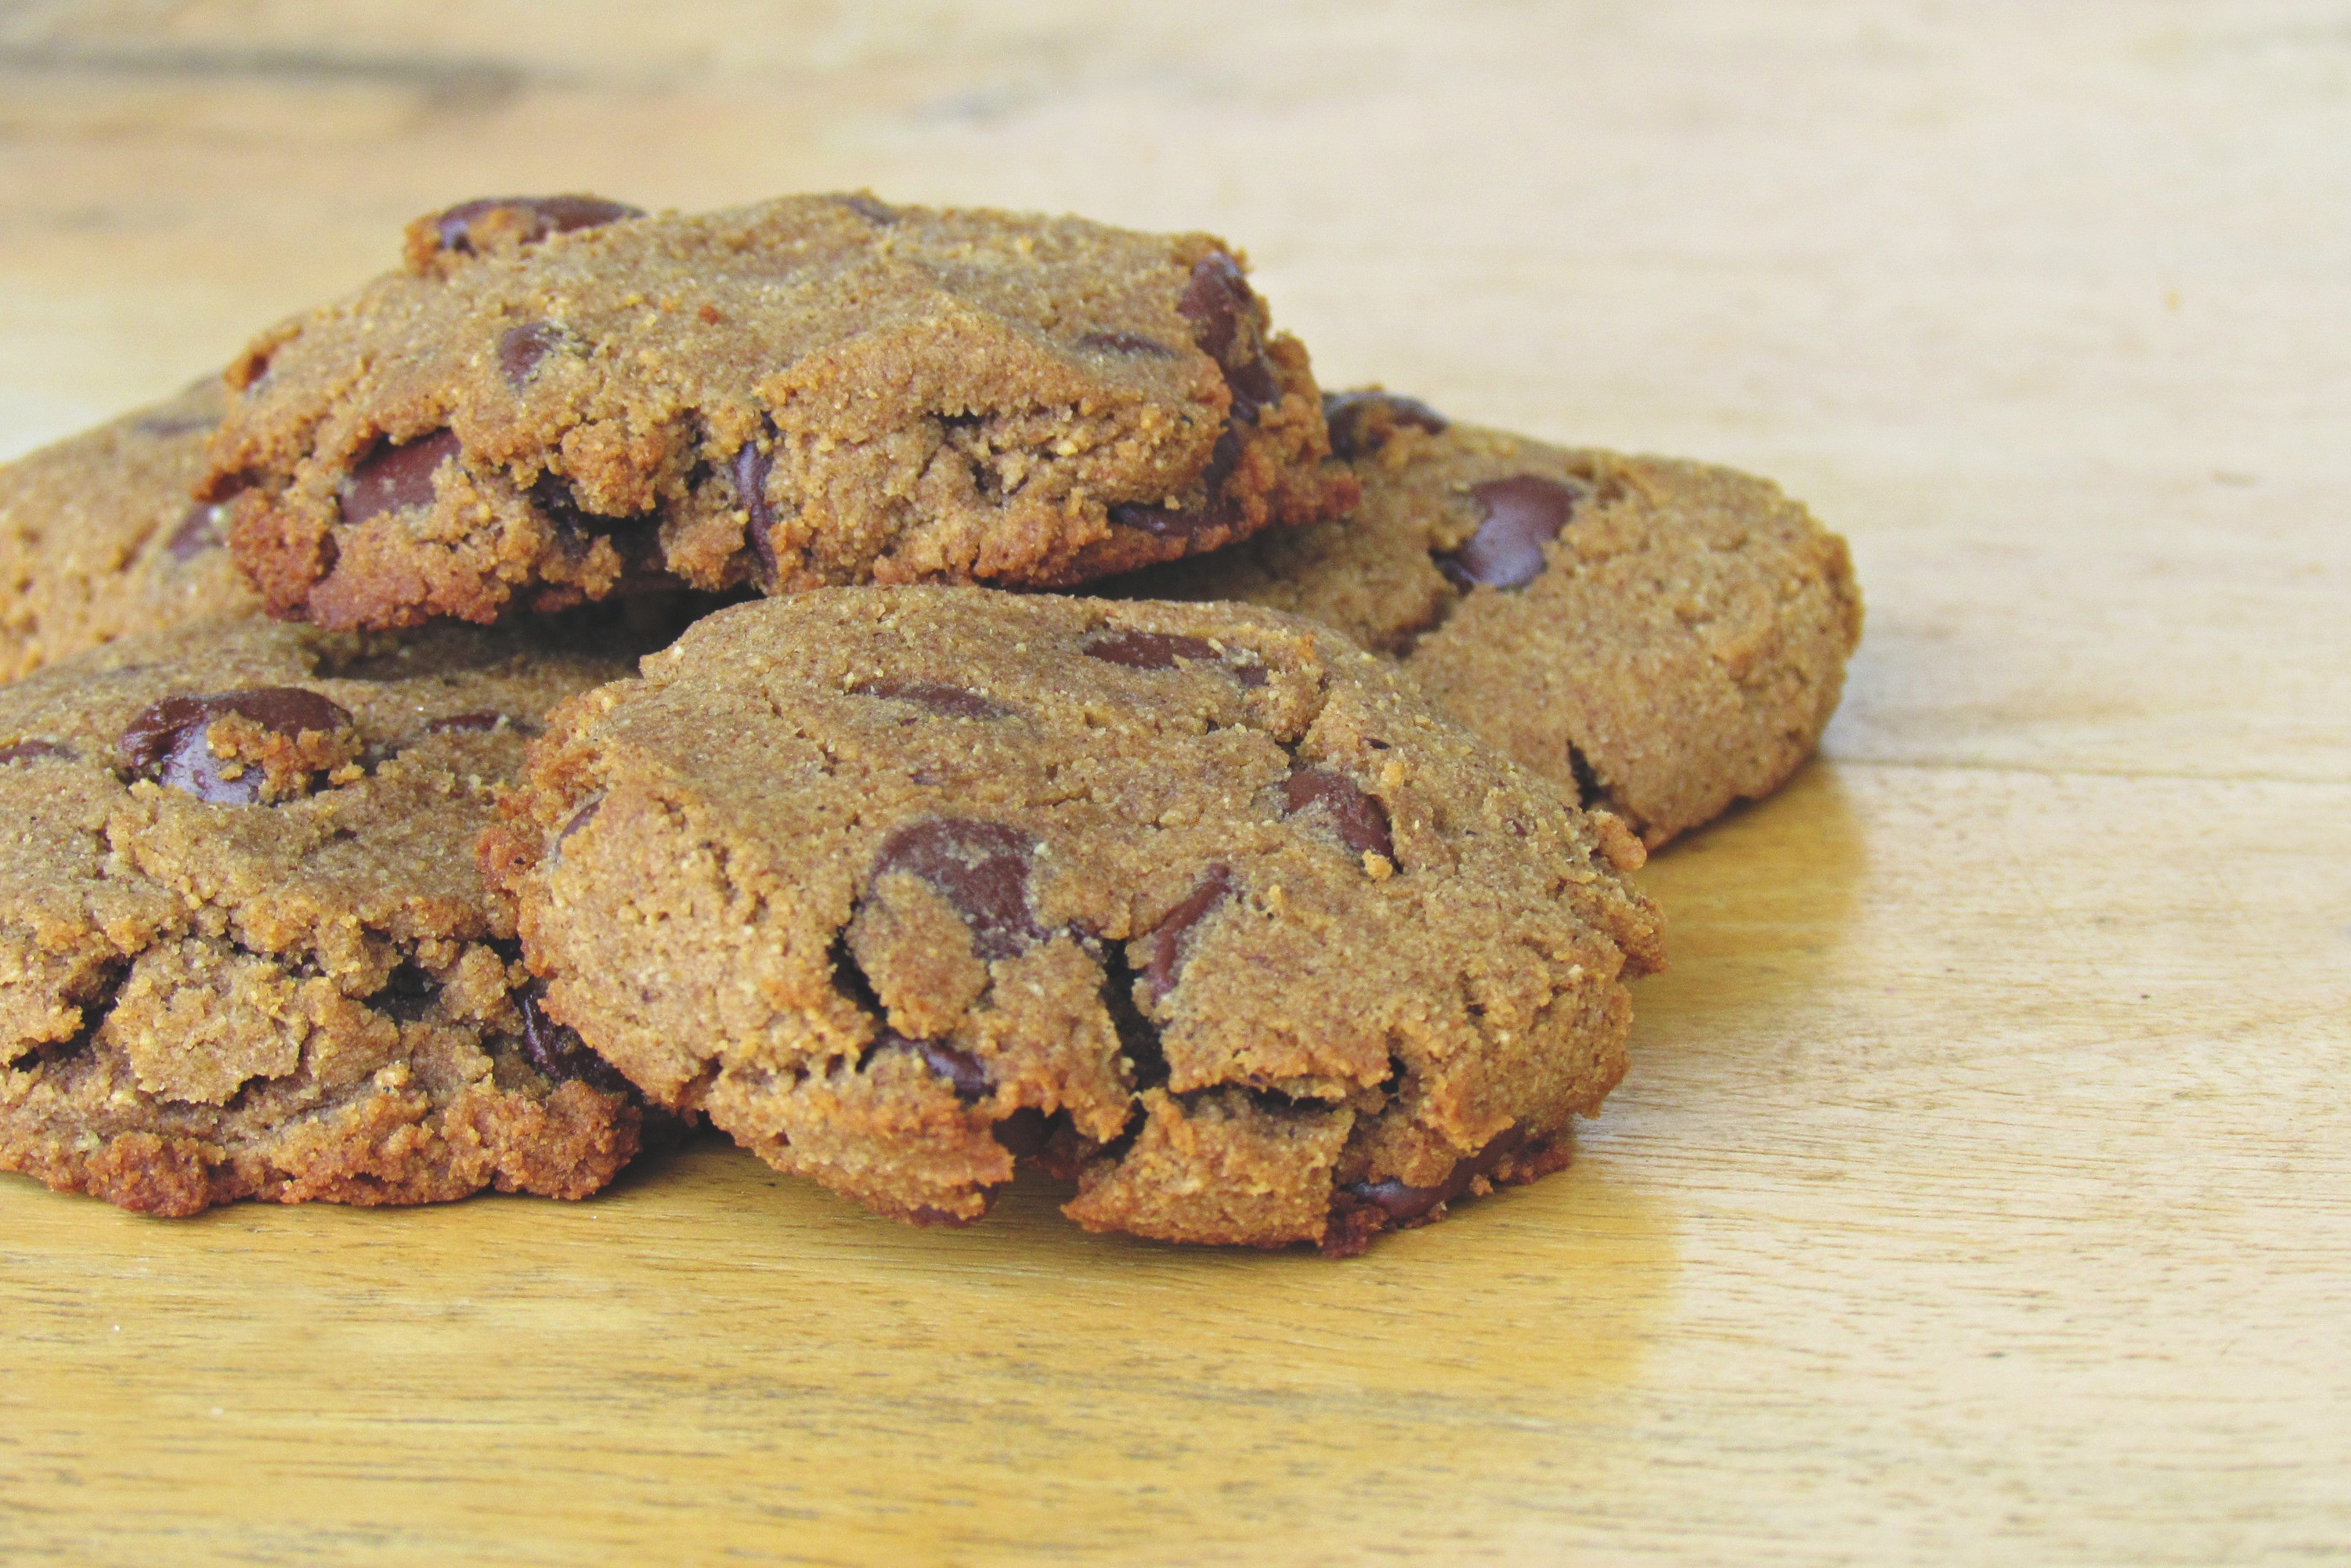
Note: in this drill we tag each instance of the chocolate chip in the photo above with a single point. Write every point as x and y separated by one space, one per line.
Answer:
1589 790
30 751
198 531
980 868
1400 1203
1166 940
541 216
1362 422
1519 516
579 819
557 1049
1150 650
171 424
867 207
1362 820
391 476
1185 522
1126 343
167 740
1217 301
960 1068
749 469
932 697
521 348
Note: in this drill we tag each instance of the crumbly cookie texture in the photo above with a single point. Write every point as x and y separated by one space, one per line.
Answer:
245 949
1200 904
1663 637
562 398
100 536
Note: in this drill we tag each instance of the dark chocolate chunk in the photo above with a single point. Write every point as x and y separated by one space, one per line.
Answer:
521 349
1126 343
30 751
391 476
980 868
557 1049
166 741
1362 820
960 1068
1216 301
1521 515
1362 422
749 471
543 215
932 697
1400 1203
1166 940
579 819
198 530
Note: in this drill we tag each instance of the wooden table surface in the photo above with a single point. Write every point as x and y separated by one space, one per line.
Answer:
1980 1192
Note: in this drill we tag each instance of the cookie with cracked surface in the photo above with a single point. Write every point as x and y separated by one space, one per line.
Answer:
244 947
1663 637
563 398
99 538
1199 903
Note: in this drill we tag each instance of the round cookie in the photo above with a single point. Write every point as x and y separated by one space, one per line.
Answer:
1663 637
1199 904
245 948
562 398
98 537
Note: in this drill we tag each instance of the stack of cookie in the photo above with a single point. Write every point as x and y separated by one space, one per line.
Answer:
570 690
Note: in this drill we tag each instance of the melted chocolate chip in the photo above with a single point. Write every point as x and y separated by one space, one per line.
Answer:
960 1068
1362 422
932 697
167 741
1400 1203
1362 820
869 208
749 469
521 349
1126 343
392 477
1166 940
1150 650
30 751
1216 301
1185 522
544 216
198 531
579 819
557 1049
980 868
1521 515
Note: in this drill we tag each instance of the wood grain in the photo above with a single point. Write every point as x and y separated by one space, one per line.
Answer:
1979 1193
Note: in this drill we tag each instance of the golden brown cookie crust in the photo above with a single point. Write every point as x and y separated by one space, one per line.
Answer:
100 535
1680 645
244 951
556 402
1198 903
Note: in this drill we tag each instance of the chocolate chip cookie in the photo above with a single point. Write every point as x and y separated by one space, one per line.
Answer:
562 398
245 949
1198 903
1663 637
99 538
